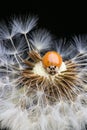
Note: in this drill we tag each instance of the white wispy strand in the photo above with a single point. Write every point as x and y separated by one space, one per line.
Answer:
23 26
7 60
20 46
81 43
6 87
61 116
18 26
66 49
2 52
41 39
2 49
80 58
6 34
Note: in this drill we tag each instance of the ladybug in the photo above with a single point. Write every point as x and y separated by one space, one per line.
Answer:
52 61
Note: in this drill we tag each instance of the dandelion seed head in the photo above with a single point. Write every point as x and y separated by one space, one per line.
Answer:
41 39
30 96
80 43
23 26
39 69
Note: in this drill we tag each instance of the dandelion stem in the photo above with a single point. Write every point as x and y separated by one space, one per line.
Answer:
15 51
27 42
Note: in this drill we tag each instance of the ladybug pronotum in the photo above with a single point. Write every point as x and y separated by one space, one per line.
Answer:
52 61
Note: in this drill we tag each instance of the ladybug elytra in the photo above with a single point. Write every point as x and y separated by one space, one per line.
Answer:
52 61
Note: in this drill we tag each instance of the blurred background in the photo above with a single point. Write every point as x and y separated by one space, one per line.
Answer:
61 18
